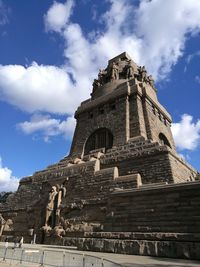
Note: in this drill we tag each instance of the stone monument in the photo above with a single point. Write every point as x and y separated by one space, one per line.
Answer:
122 188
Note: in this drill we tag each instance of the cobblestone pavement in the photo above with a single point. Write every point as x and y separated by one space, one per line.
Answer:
125 260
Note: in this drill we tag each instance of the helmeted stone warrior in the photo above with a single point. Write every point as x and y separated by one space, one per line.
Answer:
96 85
129 70
142 74
150 81
114 71
51 204
101 76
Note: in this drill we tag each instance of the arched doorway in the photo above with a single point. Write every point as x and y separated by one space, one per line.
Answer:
101 138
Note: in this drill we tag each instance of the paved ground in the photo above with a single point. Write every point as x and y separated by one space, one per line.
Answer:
125 260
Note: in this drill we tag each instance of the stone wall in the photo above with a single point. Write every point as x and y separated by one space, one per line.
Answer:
157 122
140 156
137 123
169 208
181 170
103 115
157 221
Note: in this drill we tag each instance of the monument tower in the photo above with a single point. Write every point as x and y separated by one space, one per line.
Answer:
123 114
122 188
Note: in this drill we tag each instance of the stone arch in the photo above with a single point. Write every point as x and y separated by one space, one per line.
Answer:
163 140
101 138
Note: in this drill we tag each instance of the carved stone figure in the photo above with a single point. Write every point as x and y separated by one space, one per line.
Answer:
47 230
8 225
114 71
51 205
61 194
96 85
142 74
2 224
129 70
150 81
101 76
59 231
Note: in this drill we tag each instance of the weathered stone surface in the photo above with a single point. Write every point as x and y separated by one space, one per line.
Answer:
122 188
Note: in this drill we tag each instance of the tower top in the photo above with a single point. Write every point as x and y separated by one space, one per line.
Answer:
119 69
122 56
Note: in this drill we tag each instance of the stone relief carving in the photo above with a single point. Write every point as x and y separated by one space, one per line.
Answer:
52 216
50 206
114 69
102 76
2 224
61 194
129 72
58 231
142 74
150 81
122 69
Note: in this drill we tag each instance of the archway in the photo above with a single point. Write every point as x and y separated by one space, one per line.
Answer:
101 138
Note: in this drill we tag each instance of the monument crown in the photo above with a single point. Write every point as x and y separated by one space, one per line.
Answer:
118 70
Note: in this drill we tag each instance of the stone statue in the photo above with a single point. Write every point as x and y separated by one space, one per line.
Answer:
129 70
96 85
114 71
61 194
2 224
150 81
101 76
51 205
142 74
59 231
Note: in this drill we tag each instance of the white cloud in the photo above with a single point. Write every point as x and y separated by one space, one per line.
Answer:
58 15
164 26
38 87
47 127
186 133
8 182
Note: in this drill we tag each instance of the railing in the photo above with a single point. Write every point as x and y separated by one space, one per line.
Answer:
56 258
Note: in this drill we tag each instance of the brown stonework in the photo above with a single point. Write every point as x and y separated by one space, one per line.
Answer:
123 188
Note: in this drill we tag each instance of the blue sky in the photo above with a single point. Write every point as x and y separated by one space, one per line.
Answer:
50 52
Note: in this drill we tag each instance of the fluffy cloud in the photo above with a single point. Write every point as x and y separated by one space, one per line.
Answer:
48 127
58 15
186 133
32 88
163 27
8 182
